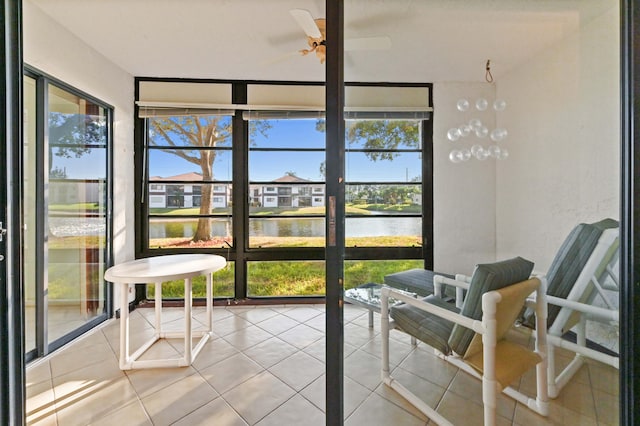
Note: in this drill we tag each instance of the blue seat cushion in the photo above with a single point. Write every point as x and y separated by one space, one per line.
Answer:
418 281
424 326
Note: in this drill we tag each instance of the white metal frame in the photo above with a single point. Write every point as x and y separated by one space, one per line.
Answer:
599 272
487 328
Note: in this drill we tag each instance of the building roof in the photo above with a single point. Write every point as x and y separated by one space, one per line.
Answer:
184 176
290 179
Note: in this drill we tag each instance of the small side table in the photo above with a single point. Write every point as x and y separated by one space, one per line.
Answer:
368 296
158 270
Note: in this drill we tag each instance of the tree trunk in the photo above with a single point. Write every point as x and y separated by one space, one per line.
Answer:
203 231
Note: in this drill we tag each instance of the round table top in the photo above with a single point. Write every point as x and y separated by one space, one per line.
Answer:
164 268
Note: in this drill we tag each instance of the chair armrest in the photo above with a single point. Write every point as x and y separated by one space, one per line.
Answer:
595 312
387 292
460 286
536 273
463 277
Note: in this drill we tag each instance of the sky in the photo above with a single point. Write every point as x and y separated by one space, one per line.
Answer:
266 166
263 165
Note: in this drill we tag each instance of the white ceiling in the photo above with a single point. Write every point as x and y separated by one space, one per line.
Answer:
432 40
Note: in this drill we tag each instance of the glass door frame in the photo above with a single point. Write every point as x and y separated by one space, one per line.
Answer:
43 344
12 361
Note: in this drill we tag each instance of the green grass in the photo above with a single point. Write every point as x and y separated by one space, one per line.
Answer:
293 278
77 242
280 242
223 285
75 207
191 211
394 208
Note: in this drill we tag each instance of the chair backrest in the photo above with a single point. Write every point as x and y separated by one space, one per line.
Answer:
600 273
486 277
512 298
570 261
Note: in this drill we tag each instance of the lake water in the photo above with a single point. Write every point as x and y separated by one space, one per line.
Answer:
373 226
295 227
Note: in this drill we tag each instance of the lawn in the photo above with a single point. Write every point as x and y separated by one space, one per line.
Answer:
293 278
279 242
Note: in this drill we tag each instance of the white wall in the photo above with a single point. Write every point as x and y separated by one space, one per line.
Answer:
55 51
464 193
564 137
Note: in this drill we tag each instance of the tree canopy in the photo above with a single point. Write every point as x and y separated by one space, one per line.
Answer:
379 136
73 134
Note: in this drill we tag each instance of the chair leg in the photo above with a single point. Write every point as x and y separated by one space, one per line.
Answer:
490 400
384 333
489 382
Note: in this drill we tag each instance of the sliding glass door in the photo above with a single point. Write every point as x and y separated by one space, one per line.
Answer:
65 212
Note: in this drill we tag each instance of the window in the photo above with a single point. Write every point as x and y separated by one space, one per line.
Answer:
276 166
286 160
194 172
383 192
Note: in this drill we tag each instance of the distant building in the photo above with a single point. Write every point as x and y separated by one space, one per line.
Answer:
185 195
286 191
62 191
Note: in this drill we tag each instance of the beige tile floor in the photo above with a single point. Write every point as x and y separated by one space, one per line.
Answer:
265 366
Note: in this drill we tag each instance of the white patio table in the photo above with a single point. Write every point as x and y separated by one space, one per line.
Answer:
157 270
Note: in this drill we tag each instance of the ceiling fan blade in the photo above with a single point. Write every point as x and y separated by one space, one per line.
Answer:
281 58
305 20
367 43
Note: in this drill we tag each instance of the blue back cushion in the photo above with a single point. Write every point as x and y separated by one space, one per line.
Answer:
571 260
486 277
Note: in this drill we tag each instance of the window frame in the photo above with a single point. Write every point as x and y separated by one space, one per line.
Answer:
240 253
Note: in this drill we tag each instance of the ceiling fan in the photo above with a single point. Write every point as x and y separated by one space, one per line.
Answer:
315 29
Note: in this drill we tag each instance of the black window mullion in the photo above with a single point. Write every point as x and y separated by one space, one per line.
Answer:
240 191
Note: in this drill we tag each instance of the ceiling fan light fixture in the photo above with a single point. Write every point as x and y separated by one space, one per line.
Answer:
315 29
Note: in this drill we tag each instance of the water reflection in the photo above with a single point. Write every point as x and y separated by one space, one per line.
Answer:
291 227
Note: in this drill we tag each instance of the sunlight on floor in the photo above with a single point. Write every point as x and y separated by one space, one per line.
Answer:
265 366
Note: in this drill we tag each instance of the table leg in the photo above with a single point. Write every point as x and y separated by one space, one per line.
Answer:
209 303
188 300
158 310
414 342
124 326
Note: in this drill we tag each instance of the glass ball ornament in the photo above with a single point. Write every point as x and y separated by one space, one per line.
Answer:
454 156
499 105
476 149
482 132
482 155
475 123
494 151
498 134
462 105
465 129
481 104
465 154
453 134
504 154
